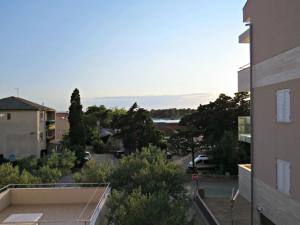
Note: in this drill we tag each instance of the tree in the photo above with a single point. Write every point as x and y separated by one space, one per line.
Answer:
218 123
217 117
49 175
11 175
77 131
8 174
137 208
64 161
137 129
149 170
30 164
94 172
27 178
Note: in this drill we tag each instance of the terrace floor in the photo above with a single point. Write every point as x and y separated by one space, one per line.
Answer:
221 209
53 214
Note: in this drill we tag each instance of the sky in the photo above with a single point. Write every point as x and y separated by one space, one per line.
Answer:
161 53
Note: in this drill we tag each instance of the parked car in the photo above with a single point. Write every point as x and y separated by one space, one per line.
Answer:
120 154
87 156
199 160
169 155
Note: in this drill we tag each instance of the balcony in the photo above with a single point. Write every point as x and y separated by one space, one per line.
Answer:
245 181
53 204
50 124
246 11
244 79
50 134
244 38
244 129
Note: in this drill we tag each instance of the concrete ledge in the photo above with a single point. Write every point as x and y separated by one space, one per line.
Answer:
206 211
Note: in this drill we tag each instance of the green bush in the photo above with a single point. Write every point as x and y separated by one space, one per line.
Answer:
149 170
137 208
94 172
11 175
49 175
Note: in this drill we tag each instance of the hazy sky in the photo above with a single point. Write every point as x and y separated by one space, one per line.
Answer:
120 48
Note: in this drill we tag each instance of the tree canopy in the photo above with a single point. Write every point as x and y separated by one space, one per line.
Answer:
150 170
147 189
137 129
217 122
214 119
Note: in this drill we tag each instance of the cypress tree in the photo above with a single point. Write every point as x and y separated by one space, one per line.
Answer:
77 130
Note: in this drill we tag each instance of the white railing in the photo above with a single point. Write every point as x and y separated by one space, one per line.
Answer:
99 206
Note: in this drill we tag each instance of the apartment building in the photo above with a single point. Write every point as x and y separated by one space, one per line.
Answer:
26 128
274 77
54 204
62 126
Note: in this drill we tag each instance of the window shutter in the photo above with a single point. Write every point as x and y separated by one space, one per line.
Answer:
283 105
283 176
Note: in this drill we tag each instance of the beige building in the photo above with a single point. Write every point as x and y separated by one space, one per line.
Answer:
62 126
274 75
25 128
49 204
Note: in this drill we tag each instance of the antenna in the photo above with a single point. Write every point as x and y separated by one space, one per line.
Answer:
17 89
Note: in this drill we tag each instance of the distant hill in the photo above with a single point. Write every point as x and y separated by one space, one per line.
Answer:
173 113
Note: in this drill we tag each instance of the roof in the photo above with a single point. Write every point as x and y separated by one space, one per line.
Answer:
15 103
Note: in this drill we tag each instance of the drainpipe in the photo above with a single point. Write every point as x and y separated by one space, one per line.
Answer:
251 120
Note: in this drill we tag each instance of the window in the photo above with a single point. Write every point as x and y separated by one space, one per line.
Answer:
283 176
8 116
283 106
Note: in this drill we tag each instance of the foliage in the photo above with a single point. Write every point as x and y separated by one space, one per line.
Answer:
95 113
228 153
49 175
149 170
95 140
137 129
11 175
64 161
79 152
94 172
77 133
170 113
8 174
215 118
30 163
217 122
27 178
96 117
137 208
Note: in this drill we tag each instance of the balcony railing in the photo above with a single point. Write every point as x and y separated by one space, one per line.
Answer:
244 129
50 124
97 212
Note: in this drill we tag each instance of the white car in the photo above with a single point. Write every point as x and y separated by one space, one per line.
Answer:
200 159
87 156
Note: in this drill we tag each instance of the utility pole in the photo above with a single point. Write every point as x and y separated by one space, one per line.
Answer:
98 128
